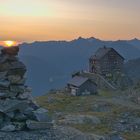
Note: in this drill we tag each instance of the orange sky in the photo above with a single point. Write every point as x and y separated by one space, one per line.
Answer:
30 20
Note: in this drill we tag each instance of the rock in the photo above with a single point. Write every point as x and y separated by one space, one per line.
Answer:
8 128
4 83
28 89
3 95
10 50
33 103
95 137
41 115
20 116
3 58
2 75
17 89
34 125
115 136
12 58
10 114
28 111
1 118
7 94
17 68
12 105
19 126
26 94
23 96
15 79
4 67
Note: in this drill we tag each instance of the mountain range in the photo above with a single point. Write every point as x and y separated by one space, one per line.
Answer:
51 63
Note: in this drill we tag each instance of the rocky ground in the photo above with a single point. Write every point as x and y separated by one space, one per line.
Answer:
109 115
57 133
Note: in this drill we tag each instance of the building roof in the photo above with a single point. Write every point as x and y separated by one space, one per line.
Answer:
77 81
101 52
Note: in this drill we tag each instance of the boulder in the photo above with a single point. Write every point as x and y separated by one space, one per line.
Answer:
3 75
34 125
17 88
4 66
12 51
20 72
33 103
19 126
3 95
3 58
17 65
8 128
10 114
7 94
20 116
1 118
16 79
28 89
10 105
23 96
4 83
28 111
41 115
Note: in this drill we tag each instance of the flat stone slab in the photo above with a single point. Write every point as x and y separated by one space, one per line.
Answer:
11 105
17 88
17 65
16 79
3 74
34 125
10 50
8 128
7 94
4 83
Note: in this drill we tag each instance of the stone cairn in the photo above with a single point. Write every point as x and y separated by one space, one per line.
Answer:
18 110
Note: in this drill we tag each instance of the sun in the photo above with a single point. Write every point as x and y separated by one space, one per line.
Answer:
9 43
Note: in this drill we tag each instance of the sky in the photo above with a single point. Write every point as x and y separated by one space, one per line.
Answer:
41 20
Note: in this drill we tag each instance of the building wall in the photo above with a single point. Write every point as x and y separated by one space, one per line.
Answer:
87 88
109 63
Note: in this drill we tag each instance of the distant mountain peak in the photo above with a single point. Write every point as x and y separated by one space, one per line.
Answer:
80 38
135 39
93 39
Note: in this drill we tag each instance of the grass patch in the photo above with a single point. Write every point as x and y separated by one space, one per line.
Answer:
106 93
88 128
54 102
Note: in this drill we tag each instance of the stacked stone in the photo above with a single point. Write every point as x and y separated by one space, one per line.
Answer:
18 110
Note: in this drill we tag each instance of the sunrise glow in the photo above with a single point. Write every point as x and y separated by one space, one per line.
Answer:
9 43
68 19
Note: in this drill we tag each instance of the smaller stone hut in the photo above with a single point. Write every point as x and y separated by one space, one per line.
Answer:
79 85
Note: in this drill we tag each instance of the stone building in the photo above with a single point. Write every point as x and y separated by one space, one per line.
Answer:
79 85
106 61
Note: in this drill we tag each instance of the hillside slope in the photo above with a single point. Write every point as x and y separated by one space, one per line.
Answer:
100 115
132 67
